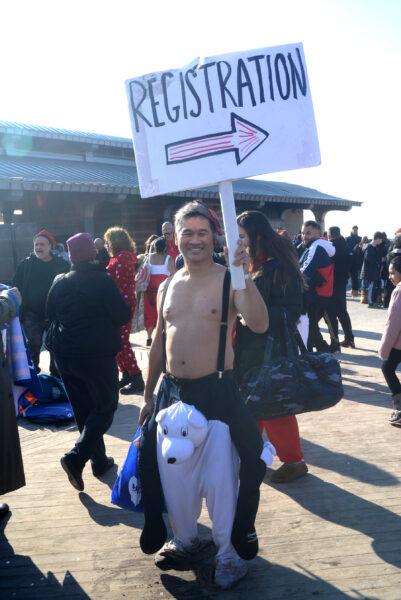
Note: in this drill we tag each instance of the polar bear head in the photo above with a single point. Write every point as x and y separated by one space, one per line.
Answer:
182 428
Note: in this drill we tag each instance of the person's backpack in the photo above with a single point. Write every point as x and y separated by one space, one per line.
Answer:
142 278
52 405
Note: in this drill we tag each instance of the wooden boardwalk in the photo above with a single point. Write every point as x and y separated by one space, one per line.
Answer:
334 534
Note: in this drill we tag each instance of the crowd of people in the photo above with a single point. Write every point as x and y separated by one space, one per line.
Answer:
86 306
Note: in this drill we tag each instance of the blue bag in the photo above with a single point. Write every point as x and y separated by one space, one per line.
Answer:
53 390
127 488
57 413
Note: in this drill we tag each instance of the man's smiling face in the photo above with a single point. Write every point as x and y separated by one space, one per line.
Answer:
195 239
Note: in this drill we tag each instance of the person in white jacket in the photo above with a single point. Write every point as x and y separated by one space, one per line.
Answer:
390 345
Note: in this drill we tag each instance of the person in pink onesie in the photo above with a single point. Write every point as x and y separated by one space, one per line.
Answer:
390 345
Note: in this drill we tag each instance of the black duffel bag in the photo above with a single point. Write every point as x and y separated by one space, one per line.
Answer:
293 384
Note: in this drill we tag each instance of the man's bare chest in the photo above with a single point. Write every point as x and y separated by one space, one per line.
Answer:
193 305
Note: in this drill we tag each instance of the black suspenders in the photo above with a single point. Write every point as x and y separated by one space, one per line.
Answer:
221 355
223 324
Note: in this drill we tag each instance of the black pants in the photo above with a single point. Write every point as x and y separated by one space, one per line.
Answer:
34 327
92 388
217 399
388 290
316 311
337 311
388 368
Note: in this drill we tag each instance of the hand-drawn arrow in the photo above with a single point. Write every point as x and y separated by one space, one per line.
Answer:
243 139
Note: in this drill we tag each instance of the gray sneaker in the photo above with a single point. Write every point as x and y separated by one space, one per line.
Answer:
175 556
228 572
395 417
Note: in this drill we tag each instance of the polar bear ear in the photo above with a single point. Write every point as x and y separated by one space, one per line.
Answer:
196 419
161 415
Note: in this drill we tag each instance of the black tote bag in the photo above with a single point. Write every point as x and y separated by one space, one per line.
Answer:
292 384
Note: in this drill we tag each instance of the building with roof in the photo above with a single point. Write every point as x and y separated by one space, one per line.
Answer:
69 181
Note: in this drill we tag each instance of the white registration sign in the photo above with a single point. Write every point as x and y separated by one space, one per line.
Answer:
223 118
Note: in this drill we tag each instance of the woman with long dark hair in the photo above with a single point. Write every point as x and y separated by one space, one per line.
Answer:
276 273
122 268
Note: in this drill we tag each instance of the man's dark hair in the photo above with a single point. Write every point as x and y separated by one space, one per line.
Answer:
313 224
355 227
397 240
334 231
396 262
378 235
198 209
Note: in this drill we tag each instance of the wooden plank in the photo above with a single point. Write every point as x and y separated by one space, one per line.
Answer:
333 534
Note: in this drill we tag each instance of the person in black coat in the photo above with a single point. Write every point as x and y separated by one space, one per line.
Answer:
86 311
102 256
34 276
352 242
337 309
371 266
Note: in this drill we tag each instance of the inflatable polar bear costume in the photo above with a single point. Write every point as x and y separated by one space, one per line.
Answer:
197 460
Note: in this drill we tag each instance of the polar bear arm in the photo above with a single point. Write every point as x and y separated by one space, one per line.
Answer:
161 415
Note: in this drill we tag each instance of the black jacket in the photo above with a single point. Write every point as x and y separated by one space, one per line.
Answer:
103 257
87 310
352 241
250 346
34 278
371 263
342 263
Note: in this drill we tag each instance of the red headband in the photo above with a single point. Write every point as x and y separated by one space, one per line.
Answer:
213 217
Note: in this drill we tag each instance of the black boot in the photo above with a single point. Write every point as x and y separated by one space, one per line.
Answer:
125 379
348 343
100 469
334 347
136 385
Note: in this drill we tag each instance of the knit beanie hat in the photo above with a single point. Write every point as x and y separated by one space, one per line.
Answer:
47 235
81 248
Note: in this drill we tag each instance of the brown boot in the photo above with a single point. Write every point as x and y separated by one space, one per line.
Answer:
364 297
288 472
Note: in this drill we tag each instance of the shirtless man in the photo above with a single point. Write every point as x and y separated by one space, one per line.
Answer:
192 313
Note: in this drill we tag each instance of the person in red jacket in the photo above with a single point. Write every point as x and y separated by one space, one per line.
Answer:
122 268
318 268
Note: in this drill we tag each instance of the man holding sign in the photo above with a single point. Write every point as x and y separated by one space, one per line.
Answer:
218 119
193 321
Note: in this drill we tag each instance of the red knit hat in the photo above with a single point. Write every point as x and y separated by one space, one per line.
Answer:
47 235
398 231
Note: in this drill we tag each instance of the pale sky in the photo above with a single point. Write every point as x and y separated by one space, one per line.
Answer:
63 64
